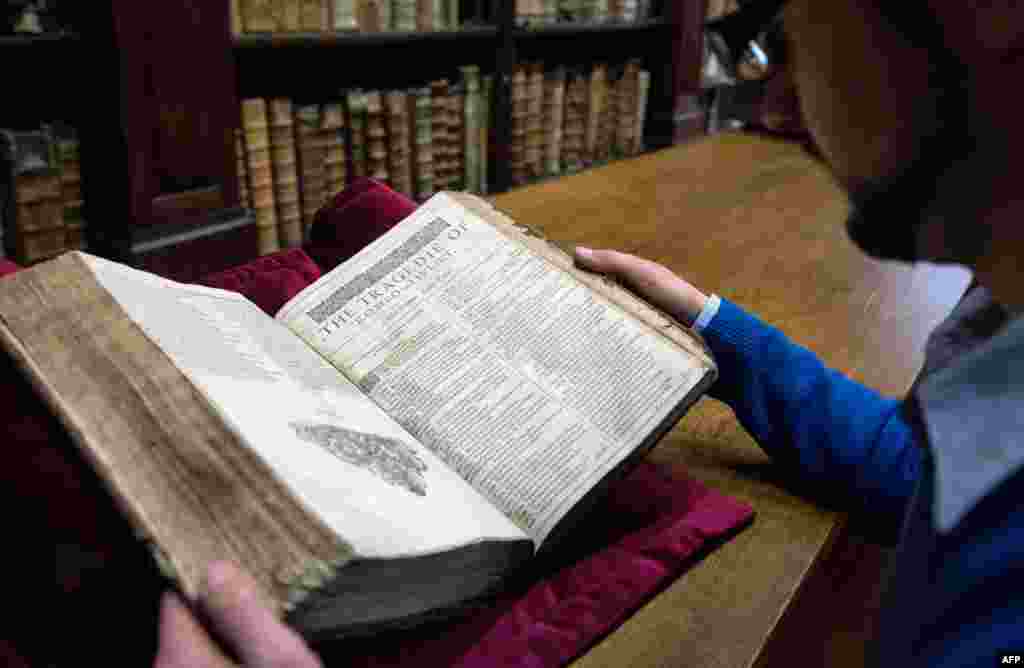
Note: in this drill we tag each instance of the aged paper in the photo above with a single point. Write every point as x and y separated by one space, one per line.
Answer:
527 383
361 473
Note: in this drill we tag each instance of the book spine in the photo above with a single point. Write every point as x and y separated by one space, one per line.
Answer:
575 122
437 10
39 230
485 133
261 175
332 151
452 18
292 15
71 191
593 114
520 108
535 121
423 160
261 16
242 169
376 138
313 17
457 136
369 15
643 85
554 107
425 15
286 176
606 121
405 14
386 15
625 101
237 25
311 162
344 15
439 132
398 141
356 103
473 124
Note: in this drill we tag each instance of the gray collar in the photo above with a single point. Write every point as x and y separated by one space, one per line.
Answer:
973 411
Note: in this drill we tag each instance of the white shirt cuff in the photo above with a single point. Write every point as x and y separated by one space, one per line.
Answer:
706 314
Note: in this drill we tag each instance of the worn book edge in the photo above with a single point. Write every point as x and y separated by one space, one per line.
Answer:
288 586
640 308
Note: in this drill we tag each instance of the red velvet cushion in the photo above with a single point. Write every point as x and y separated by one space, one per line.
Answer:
355 217
269 281
7 267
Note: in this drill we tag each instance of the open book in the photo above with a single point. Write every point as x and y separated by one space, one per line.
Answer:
410 429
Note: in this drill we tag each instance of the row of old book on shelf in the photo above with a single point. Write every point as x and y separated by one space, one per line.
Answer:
40 193
531 13
293 157
566 119
320 16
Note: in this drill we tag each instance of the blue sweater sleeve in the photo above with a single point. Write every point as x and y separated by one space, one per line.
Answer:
848 445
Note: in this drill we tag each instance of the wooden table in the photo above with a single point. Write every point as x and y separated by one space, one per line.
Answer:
758 222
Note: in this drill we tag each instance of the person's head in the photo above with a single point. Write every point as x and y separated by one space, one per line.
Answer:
913 104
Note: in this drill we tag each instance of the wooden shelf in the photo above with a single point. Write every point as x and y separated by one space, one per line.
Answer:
32 41
359 39
577 28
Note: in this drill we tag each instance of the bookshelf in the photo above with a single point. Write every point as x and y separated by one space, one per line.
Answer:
155 89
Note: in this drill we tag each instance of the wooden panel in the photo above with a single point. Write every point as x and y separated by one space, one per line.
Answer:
760 223
178 92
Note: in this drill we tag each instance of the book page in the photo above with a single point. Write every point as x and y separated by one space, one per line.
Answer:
528 384
365 476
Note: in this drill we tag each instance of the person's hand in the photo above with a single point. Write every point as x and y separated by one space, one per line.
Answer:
240 616
649 279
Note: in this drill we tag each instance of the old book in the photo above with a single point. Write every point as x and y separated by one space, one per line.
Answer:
344 15
355 112
406 433
457 135
606 119
311 151
554 107
70 167
529 13
237 25
520 113
439 133
271 15
376 138
535 121
242 170
643 85
32 195
420 120
576 94
625 104
473 128
595 102
437 9
313 15
332 142
485 134
286 172
425 15
399 141
404 13
261 173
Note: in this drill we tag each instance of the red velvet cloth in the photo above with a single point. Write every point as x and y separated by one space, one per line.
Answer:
646 532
